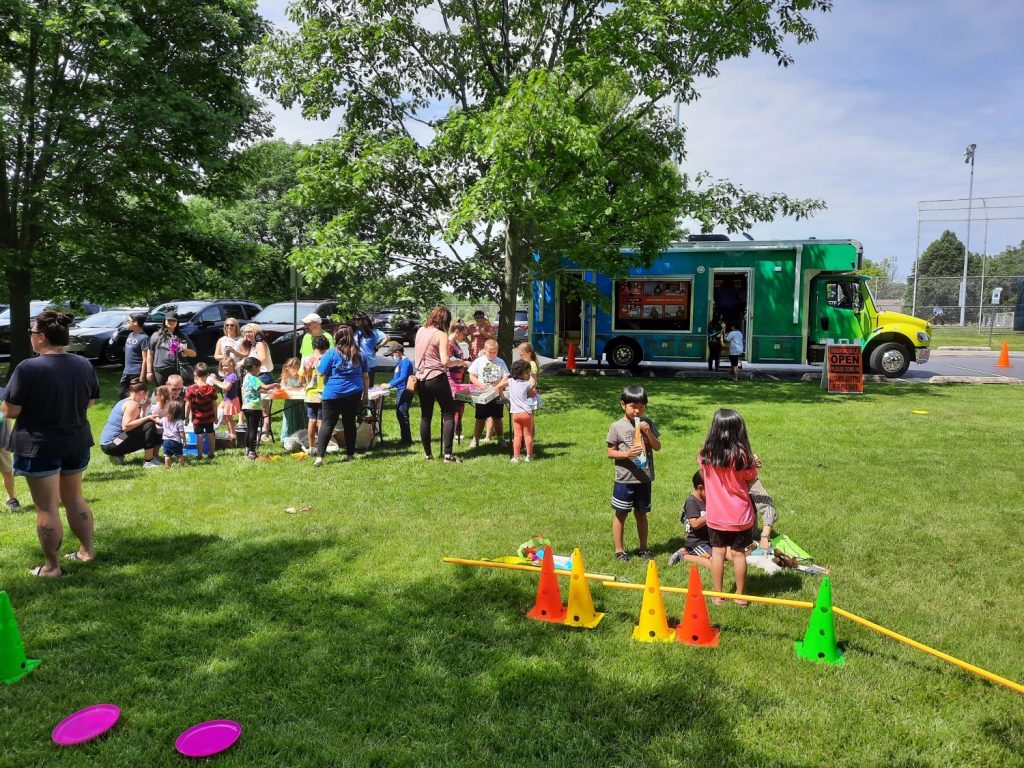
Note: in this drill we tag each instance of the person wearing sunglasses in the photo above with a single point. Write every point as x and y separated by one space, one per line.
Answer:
227 345
49 397
169 349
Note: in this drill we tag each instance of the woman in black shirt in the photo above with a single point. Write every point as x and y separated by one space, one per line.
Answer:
49 397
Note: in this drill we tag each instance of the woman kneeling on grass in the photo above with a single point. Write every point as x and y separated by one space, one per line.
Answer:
130 429
50 395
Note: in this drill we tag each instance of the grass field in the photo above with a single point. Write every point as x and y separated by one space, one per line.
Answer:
949 336
337 637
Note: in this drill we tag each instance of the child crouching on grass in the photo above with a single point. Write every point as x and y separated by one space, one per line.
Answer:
697 547
632 441
729 467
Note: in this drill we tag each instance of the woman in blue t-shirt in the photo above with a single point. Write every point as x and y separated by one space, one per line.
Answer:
346 386
369 339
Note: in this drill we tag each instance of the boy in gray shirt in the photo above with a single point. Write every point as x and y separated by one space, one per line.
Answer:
632 441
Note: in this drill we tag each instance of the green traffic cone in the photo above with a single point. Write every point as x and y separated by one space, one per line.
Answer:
13 664
819 643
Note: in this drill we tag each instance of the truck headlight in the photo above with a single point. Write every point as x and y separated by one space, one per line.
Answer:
923 337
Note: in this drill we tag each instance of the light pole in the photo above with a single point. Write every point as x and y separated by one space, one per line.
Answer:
968 158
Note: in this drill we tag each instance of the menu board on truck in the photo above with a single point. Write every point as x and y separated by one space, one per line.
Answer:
652 305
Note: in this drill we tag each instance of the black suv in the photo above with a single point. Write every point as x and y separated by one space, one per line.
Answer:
282 326
398 324
202 320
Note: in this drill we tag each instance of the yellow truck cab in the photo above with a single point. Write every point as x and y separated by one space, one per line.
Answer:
842 308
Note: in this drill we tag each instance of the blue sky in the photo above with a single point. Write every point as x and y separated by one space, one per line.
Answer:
873 117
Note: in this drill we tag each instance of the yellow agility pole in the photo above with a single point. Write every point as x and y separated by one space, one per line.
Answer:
602 577
931 651
726 595
983 673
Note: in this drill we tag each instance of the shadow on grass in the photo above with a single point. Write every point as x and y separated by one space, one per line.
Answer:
325 663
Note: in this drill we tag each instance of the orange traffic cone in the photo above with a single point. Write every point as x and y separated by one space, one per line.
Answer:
653 625
548 606
1002 362
696 628
570 361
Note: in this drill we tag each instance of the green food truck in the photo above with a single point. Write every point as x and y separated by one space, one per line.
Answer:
788 297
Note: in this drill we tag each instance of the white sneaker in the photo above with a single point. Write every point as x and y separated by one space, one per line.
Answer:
515 460
152 464
527 459
474 443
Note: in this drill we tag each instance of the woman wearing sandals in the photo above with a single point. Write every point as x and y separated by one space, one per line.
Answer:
50 395
431 362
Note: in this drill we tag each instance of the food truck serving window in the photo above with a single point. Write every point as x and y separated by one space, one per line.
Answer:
652 305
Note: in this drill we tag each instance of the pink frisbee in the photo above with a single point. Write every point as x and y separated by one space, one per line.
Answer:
208 738
86 724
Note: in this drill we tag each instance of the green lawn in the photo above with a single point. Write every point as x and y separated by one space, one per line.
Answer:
955 336
337 637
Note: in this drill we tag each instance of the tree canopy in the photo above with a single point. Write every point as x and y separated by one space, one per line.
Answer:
482 142
109 110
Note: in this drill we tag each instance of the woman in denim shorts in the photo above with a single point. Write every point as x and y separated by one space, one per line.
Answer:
49 397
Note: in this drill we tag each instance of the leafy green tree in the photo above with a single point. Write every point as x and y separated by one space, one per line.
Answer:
884 285
484 141
109 110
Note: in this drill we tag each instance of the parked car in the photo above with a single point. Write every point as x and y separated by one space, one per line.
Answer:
281 324
522 329
399 324
90 337
34 308
202 320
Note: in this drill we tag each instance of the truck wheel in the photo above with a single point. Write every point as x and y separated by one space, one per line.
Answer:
890 359
623 354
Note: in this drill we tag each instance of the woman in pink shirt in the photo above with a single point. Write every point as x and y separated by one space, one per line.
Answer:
729 467
431 362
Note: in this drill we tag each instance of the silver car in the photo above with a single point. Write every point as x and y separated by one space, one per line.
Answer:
90 337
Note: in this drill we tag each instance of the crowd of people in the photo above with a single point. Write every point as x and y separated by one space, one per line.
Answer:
48 396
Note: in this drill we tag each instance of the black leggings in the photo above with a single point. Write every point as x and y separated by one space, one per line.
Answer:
253 420
437 390
143 437
347 408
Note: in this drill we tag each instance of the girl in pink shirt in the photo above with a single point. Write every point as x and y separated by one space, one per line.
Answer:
729 467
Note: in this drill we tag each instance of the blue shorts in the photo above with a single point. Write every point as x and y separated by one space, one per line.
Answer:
173 448
701 549
313 410
635 496
44 466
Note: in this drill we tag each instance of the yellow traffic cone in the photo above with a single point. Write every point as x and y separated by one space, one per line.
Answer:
653 626
581 611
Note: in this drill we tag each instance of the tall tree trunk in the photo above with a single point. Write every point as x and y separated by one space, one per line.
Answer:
19 280
516 253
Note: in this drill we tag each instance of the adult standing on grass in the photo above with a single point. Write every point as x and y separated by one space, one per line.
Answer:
129 429
253 345
345 393
136 353
50 395
370 339
479 332
170 350
314 329
431 362
227 345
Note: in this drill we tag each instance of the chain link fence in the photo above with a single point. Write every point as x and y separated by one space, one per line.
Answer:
937 299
